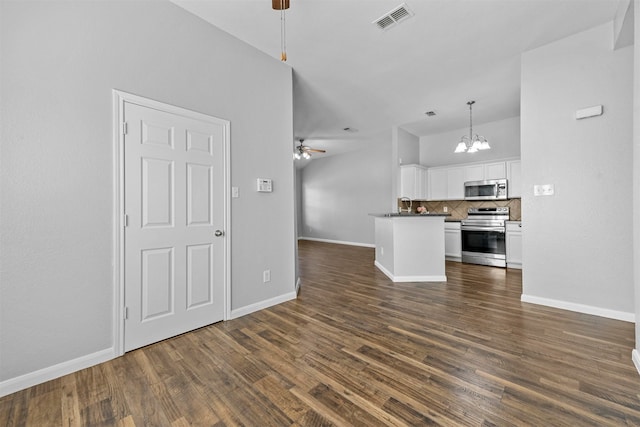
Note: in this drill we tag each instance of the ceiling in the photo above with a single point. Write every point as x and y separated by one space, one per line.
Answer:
348 73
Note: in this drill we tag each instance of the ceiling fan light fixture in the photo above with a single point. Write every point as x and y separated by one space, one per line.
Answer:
303 151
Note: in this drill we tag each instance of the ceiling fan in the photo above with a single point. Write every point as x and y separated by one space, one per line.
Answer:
303 151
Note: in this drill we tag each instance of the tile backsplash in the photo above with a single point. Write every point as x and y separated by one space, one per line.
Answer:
458 208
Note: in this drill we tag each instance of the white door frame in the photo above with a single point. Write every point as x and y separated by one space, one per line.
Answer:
119 99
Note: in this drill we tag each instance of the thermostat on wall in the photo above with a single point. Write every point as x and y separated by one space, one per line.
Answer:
264 185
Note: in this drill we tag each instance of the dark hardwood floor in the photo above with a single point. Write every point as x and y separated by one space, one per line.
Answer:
357 349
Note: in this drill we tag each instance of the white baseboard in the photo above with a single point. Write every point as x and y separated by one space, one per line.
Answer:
339 242
248 309
580 308
46 374
635 356
13 385
398 279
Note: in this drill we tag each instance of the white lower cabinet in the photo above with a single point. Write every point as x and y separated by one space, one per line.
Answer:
513 241
452 241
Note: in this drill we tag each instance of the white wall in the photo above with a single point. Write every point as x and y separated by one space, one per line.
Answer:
408 148
503 136
60 61
636 173
577 244
338 193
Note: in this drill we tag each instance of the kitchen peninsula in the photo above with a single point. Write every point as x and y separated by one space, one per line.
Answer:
410 247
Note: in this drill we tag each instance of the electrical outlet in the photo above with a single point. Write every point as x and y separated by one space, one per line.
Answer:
445 209
543 190
266 276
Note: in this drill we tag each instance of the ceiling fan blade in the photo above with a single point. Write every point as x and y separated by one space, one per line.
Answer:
314 150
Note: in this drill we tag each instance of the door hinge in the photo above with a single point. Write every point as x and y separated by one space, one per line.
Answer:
125 128
125 220
126 313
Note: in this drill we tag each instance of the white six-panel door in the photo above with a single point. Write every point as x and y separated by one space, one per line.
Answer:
174 259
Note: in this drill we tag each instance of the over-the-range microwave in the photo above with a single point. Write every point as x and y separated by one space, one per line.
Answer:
492 189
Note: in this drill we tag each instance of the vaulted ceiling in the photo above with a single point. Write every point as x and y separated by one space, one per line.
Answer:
349 73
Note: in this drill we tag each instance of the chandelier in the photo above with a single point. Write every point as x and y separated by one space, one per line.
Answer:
471 143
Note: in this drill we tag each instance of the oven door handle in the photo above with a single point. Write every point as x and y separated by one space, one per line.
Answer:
497 229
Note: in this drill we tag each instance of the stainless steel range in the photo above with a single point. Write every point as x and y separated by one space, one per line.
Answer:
483 236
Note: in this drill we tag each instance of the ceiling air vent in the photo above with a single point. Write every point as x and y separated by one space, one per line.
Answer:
393 17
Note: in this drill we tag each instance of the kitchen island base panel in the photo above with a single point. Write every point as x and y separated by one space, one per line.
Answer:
410 249
399 279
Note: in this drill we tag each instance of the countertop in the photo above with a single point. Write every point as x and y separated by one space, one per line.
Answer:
407 214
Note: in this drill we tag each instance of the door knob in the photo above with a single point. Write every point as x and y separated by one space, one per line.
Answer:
219 233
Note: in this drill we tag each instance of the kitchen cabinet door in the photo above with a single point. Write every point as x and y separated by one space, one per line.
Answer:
422 189
438 187
474 173
455 183
513 240
514 179
413 182
495 170
407 182
452 241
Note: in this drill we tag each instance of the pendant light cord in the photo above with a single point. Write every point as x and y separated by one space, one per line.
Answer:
283 32
470 122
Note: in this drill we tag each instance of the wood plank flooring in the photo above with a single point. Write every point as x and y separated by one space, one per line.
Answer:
357 350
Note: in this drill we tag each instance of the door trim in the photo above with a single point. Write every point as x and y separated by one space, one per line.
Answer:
119 99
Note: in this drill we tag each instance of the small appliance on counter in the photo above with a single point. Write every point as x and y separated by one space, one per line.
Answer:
493 189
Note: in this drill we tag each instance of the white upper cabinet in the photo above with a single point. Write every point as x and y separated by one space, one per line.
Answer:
455 183
438 184
514 180
473 173
495 170
413 182
447 183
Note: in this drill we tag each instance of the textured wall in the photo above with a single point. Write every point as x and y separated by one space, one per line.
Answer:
577 245
339 192
60 61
